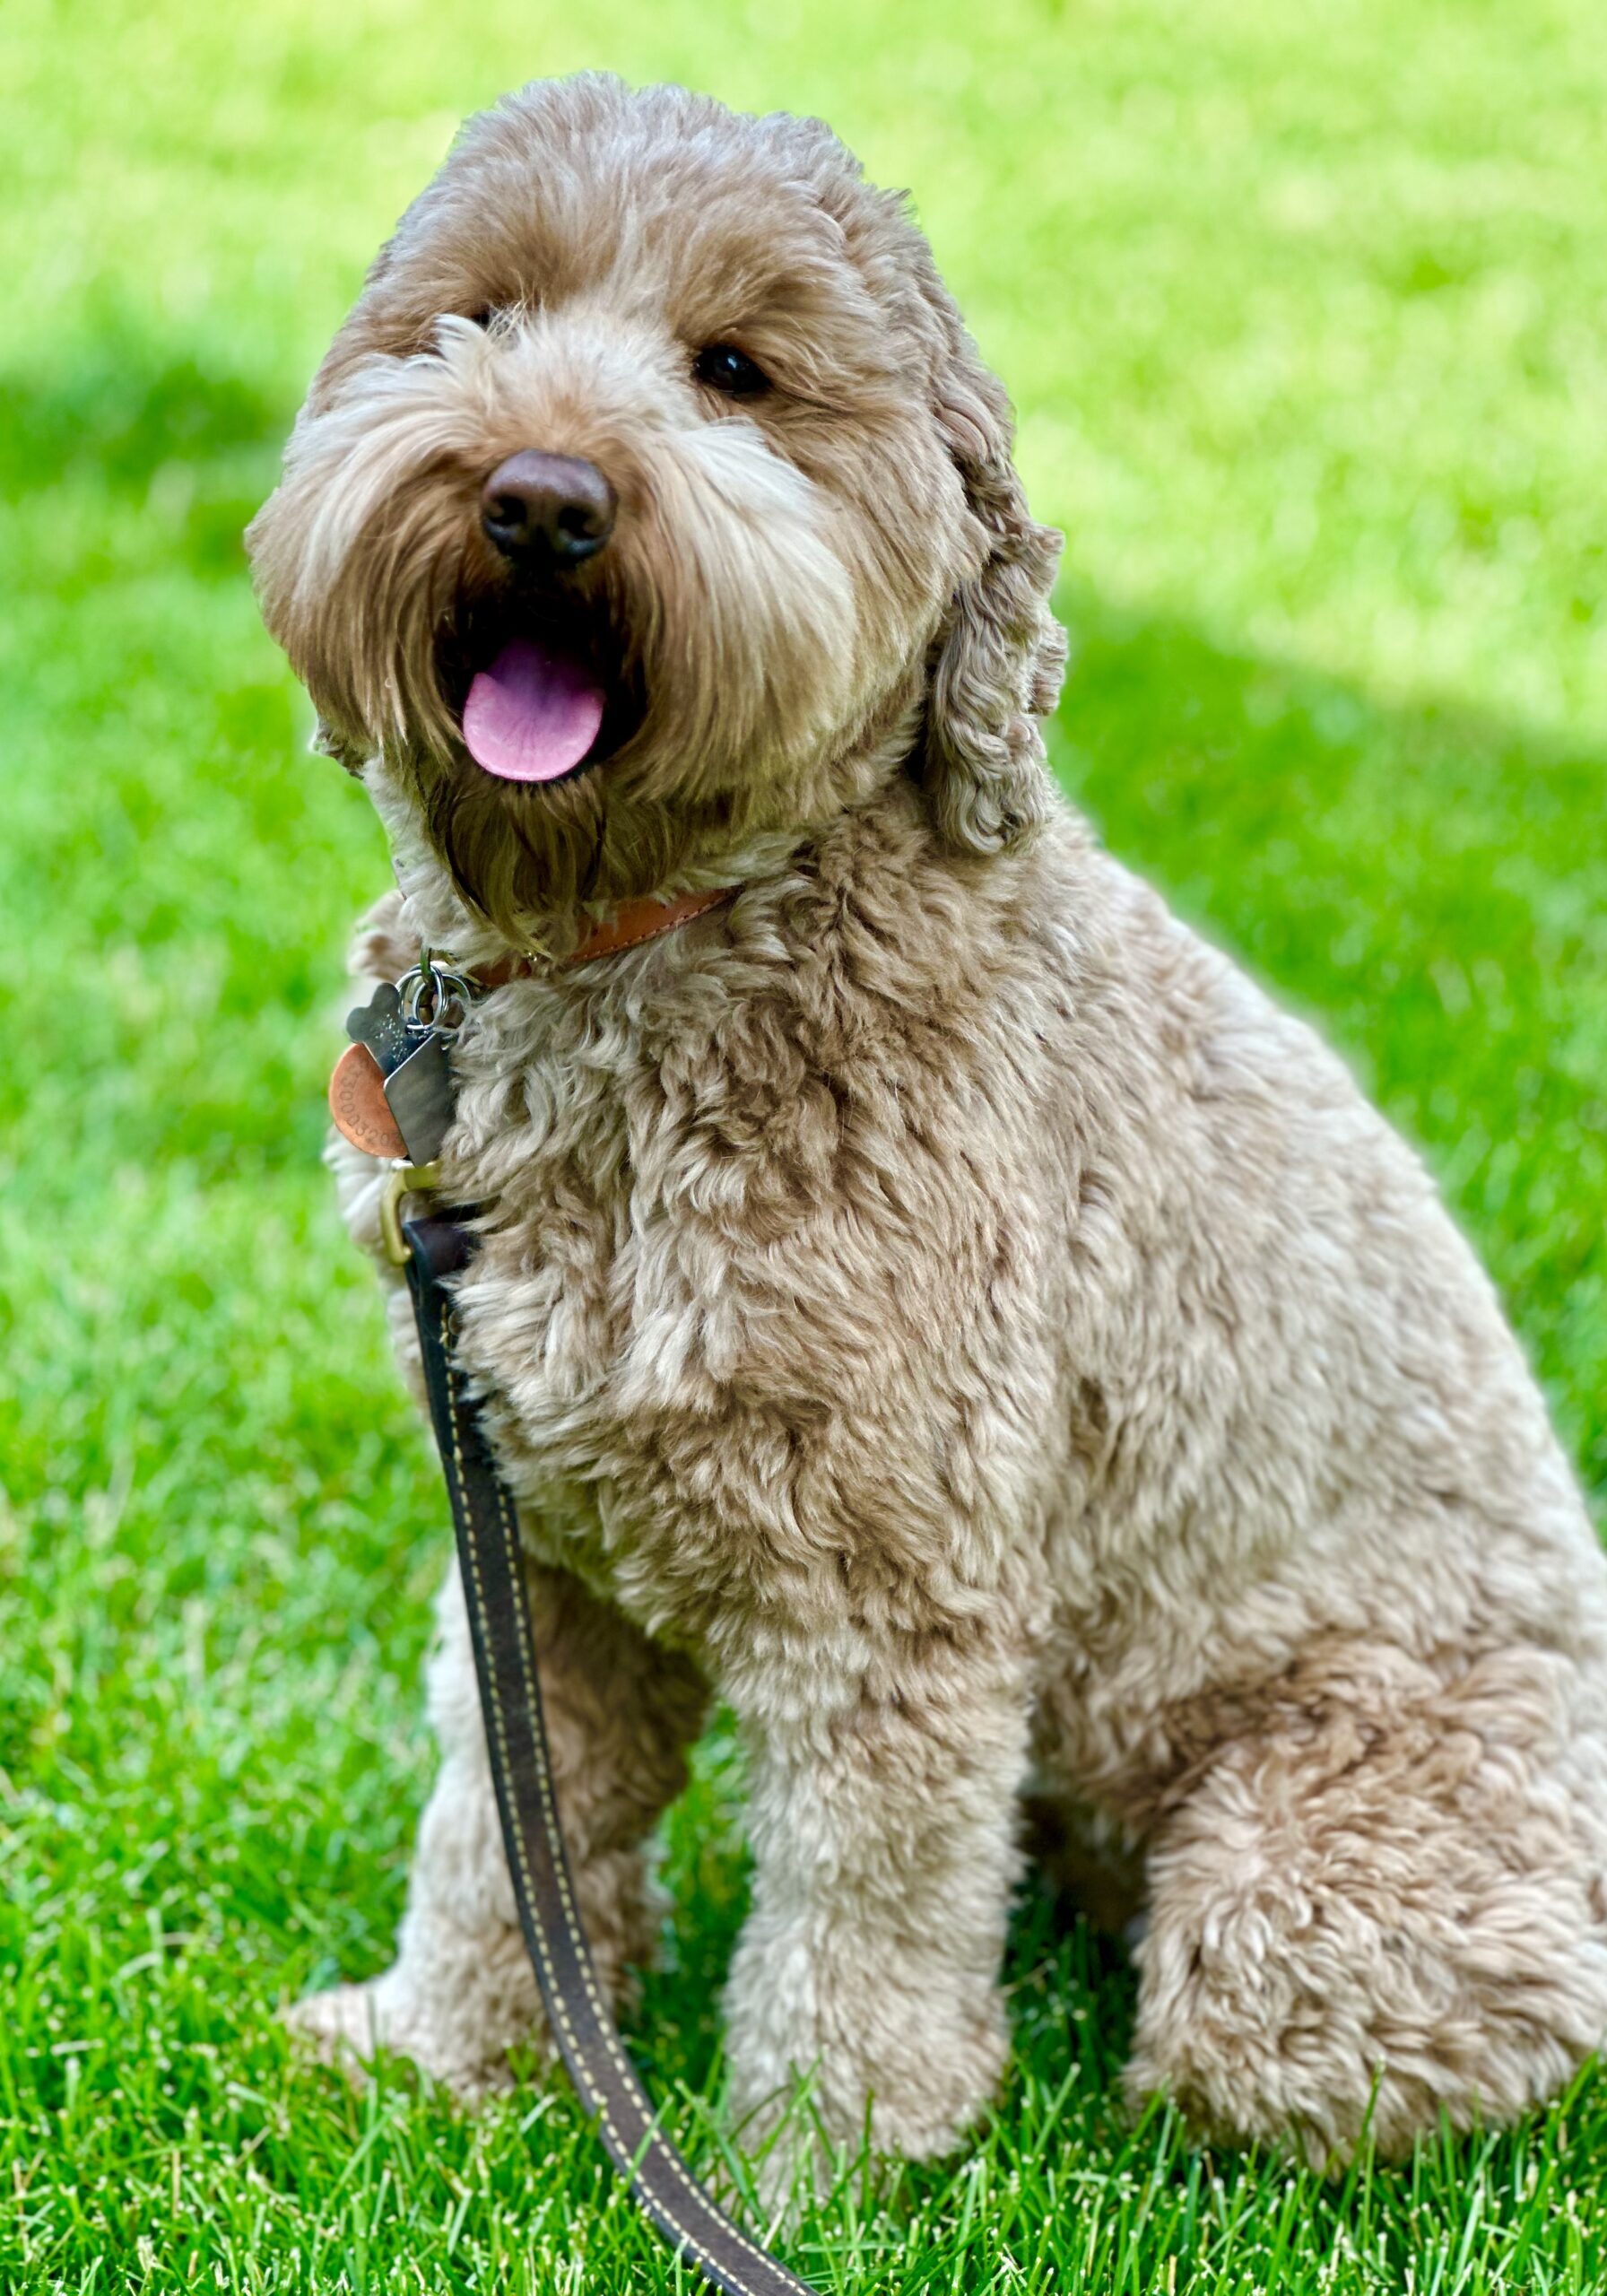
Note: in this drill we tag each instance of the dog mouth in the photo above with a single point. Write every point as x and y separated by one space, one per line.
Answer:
541 695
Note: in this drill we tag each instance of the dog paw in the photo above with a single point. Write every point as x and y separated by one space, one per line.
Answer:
348 2027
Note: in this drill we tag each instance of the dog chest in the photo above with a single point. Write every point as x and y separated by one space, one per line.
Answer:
723 1349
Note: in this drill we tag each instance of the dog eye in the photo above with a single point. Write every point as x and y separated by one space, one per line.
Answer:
483 317
723 368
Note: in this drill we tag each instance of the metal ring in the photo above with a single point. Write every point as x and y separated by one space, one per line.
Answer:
444 985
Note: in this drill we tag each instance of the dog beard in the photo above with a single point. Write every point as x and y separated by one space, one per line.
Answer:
719 628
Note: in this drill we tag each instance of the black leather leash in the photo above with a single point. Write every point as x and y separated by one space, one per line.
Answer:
438 1245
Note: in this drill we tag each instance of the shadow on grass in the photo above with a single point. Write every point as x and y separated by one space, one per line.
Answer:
121 402
124 415
1431 887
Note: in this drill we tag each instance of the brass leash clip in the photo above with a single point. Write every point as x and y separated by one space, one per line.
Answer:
404 1180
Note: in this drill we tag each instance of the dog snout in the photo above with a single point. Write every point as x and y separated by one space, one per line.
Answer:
547 509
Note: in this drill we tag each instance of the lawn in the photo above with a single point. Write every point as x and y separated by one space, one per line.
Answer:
1303 310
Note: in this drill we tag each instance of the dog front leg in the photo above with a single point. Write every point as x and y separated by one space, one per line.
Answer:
885 1853
621 1714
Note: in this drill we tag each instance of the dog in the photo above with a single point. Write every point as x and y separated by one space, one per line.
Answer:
930 1301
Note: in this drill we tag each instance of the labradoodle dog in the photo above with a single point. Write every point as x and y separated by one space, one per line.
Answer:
931 1302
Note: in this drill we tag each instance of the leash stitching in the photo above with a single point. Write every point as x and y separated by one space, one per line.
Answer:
610 2039
657 2145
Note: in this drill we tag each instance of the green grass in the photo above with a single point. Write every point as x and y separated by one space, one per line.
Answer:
1302 309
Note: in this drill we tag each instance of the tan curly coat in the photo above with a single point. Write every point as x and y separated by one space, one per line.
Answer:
935 1304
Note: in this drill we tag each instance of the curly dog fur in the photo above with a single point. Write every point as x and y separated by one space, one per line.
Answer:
935 1303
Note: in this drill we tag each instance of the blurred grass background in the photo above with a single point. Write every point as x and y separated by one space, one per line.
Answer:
1303 313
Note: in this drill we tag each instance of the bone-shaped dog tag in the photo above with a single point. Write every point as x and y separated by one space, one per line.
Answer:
380 1026
392 1092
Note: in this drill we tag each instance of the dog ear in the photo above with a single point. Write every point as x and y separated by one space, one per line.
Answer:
997 661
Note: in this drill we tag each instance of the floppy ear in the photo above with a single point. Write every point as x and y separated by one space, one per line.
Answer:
997 666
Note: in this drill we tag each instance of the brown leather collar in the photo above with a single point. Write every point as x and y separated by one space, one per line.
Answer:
359 1095
631 923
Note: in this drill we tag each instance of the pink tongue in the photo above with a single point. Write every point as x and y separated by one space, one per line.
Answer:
532 714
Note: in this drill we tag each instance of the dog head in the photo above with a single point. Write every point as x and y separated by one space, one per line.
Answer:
652 499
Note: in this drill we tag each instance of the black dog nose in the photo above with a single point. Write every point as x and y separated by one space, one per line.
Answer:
551 507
